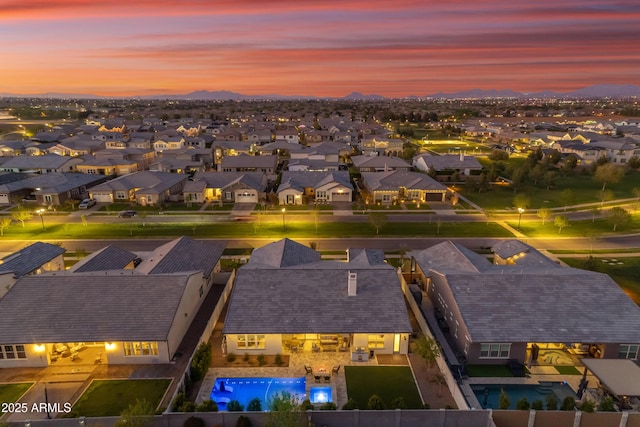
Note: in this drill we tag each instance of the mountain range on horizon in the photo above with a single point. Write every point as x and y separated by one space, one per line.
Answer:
594 91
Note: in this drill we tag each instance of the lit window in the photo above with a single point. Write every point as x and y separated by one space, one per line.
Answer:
145 348
376 341
252 341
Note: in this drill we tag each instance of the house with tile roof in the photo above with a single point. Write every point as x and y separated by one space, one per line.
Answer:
36 258
123 309
144 188
307 304
398 185
298 187
522 303
227 187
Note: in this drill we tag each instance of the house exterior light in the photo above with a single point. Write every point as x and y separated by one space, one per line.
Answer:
109 346
39 348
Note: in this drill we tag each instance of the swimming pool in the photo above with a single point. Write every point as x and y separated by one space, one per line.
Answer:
244 390
488 394
320 394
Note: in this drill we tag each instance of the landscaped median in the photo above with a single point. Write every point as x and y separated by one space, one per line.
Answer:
293 229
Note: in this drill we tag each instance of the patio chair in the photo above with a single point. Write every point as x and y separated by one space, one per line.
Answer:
335 369
308 369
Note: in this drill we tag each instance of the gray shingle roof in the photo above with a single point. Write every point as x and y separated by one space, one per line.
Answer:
108 258
316 301
181 255
450 257
283 253
379 162
450 161
392 180
90 307
528 256
30 258
245 161
302 180
559 305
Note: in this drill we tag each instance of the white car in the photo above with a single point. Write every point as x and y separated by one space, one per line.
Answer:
86 203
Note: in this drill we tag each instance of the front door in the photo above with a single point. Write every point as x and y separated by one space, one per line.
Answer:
396 343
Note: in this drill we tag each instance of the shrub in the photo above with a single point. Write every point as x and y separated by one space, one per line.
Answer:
606 404
262 360
551 402
200 362
188 406
588 406
329 406
231 357
245 357
255 405
178 402
193 422
306 405
375 403
523 404
235 406
398 403
207 406
504 401
243 422
568 404
350 405
537 405
279 361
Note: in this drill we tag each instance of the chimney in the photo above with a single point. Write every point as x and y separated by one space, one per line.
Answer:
352 285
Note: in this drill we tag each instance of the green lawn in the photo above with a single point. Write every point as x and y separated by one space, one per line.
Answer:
567 370
576 228
10 393
388 382
133 228
488 371
585 190
626 275
110 397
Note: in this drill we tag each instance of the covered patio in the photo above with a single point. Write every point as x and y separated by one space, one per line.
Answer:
618 378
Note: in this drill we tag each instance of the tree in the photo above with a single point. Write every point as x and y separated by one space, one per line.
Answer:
567 197
207 406
350 405
4 224
137 414
489 214
537 173
618 216
428 349
551 402
21 215
72 203
568 404
504 402
561 221
235 406
285 411
328 406
375 403
537 405
606 405
588 406
608 174
549 178
544 214
605 196
399 403
517 177
636 193
521 201
377 220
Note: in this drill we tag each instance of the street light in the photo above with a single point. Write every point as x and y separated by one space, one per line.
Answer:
284 227
40 212
520 210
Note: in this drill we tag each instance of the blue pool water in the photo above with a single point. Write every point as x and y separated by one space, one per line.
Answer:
320 394
244 390
488 394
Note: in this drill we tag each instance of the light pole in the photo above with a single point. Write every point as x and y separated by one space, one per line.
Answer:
284 227
520 210
40 212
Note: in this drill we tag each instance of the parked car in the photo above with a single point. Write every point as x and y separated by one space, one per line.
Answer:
127 214
86 203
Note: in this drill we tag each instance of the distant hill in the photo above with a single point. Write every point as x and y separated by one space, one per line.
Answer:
595 91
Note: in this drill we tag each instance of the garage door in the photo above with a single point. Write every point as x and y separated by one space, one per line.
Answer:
246 197
340 197
434 197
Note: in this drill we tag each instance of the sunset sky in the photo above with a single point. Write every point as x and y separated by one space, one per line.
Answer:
315 47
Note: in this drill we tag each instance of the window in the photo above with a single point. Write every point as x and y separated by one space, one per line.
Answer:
144 348
628 351
228 195
121 195
321 194
252 341
386 197
495 351
376 341
12 352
